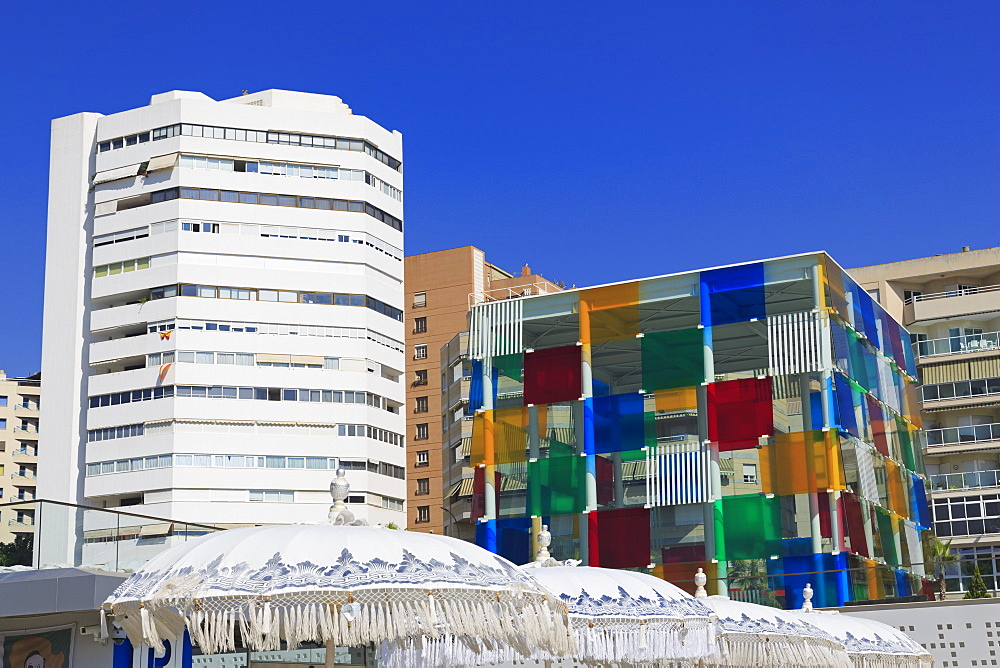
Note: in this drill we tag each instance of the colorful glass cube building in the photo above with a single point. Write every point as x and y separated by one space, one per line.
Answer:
759 421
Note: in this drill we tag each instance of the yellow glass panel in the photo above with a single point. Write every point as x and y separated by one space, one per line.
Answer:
142 263
101 271
115 268
679 399
510 430
128 265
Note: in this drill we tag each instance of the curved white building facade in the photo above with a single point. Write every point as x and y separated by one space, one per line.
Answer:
223 322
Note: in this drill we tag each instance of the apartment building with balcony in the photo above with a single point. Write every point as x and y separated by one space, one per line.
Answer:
950 304
440 288
223 319
20 400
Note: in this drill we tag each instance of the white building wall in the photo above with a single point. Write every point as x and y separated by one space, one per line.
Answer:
98 329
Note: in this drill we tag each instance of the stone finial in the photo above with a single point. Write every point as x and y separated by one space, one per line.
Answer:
544 540
339 489
700 580
807 594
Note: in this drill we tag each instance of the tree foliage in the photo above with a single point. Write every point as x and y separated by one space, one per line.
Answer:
18 551
977 587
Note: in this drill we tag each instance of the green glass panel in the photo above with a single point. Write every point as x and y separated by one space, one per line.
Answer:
557 486
752 526
510 366
672 359
905 443
887 537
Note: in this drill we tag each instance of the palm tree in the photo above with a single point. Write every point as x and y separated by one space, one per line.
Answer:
940 556
750 575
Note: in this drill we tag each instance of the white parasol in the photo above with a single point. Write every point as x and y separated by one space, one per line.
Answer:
619 618
752 635
870 644
339 585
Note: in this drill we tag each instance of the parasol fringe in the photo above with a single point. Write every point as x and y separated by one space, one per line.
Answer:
149 634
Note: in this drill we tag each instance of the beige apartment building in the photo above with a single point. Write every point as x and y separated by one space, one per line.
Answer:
440 288
20 399
950 303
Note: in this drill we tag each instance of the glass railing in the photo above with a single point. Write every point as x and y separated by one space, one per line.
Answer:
66 534
971 480
979 433
962 389
950 345
959 292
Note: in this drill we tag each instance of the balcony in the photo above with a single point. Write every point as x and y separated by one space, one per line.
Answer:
28 408
25 451
24 476
21 523
954 345
980 433
26 432
951 304
972 480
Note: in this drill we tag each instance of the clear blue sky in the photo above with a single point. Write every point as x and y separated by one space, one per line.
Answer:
596 141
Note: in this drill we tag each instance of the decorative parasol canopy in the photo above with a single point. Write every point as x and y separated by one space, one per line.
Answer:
871 644
752 635
341 585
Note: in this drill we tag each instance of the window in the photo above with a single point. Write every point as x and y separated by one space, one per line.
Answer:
423 458
912 295
419 299
3 401
423 432
420 352
420 377
423 514
272 496
750 474
419 325
424 486
421 405
3 423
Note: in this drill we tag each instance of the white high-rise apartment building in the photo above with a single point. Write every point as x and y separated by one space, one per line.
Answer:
222 325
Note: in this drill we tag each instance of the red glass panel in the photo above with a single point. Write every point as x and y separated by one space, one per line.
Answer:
739 412
552 375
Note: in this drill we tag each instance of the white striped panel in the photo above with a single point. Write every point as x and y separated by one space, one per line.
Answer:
915 546
495 329
677 473
793 343
886 387
866 472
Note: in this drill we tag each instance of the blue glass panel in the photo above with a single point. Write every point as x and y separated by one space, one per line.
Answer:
822 571
476 387
919 510
486 535
903 587
735 294
619 423
513 539
847 419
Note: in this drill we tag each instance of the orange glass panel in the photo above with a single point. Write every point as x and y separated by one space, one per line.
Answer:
897 491
510 434
802 462
608 313
482 423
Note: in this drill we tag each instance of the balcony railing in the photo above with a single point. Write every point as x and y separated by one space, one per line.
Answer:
31 408
27 430
971 480
980 433
27 522
972 290
951 345
26 475
28 452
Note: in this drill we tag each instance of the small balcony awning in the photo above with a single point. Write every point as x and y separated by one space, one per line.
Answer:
162 162
109 175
